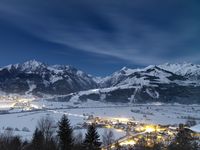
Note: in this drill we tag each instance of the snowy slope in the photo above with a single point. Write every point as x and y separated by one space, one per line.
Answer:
184 69
165 83
38 78
147 76
161 83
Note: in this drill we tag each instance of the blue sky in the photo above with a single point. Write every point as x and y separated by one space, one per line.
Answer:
100 36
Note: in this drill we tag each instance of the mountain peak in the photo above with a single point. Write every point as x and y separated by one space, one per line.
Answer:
46 79
33 62
31 65
124 68
181 68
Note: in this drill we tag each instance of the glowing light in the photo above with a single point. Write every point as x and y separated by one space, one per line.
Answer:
128 142
140 128
113 146
119 130
34 106
122 119
5 106
108 126
159 137
170 133
25 100
150 129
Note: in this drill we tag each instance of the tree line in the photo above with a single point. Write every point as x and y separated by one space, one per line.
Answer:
49 136
44 137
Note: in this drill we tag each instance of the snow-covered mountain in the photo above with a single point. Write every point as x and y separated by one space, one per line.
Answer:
185 69
163 83
37 78
152 75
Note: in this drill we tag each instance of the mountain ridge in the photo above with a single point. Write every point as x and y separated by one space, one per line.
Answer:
55 79
155 83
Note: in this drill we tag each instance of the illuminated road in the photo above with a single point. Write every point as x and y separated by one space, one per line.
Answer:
128 139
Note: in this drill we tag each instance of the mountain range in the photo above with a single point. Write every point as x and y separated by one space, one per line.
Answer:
168 83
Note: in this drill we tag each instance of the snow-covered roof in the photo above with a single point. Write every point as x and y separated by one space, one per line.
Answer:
195 128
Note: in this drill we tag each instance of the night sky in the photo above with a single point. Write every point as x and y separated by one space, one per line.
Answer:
100 36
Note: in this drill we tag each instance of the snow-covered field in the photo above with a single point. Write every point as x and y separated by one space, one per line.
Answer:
148 113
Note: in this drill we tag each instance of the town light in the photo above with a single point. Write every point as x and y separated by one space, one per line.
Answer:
128 142
150 129
108 126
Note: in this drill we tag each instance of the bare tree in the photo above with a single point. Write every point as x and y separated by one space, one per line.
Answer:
8 133
108 137
10 142
78 141
47 126
191 121
78 138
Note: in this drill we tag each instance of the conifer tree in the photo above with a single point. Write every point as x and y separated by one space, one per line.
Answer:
117 146
38 140
183 141
15 143
92 141
65 134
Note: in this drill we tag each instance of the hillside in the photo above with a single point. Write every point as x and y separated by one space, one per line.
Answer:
161 83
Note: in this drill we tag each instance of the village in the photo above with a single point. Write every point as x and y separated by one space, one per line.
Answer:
136 131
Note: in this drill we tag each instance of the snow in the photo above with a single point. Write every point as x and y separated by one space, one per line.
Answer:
153 94
132 98
31 66
55 78
31 87
98 79
50 74
162 72
195 128
55 70
182 68
116 133
80 73
125 77
128 76
7 67
102 91
128 71
157 113
135 81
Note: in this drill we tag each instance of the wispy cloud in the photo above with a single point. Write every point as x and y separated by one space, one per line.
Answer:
136 31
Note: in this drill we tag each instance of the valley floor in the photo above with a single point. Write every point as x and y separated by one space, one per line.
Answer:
23 121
